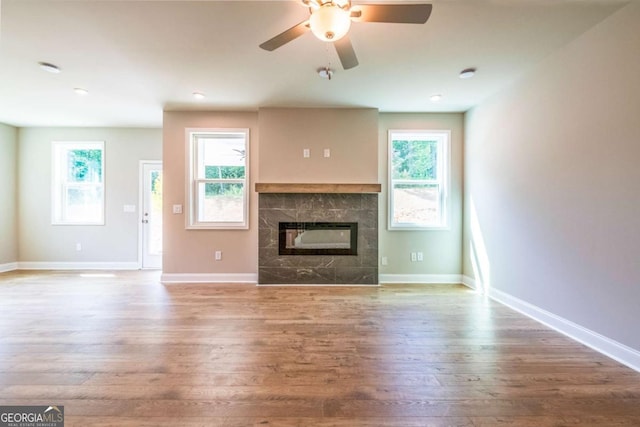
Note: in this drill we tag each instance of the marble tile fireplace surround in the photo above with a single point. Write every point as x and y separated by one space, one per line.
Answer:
318 203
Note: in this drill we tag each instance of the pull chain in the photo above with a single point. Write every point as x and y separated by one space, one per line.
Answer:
328 67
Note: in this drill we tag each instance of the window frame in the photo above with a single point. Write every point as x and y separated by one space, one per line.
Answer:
443 137
193 181
60 185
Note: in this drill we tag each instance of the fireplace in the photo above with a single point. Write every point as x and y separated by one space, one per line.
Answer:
318 238
343 245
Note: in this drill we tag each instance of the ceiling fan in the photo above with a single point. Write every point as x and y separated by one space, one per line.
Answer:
330 21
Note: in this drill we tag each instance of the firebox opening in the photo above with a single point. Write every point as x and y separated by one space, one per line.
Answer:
318 238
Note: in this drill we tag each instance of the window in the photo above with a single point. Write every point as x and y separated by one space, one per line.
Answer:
78 183
218 178
418 179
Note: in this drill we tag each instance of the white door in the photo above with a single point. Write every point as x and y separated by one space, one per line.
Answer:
151 215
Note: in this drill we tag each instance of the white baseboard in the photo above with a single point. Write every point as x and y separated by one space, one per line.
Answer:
28 265
420 278
469 282
613 349
10 266
251 278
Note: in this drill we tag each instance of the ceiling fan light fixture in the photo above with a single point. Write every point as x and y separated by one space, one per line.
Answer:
330 23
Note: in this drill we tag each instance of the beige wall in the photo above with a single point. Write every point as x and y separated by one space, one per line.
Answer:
357 139
349 134
552 183
442 249
192 251
117 240
8 196
276 156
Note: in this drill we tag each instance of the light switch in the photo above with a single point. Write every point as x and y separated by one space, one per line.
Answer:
177 209
129 208
306 153
327 152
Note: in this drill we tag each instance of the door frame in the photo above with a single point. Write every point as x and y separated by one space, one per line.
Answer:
141 164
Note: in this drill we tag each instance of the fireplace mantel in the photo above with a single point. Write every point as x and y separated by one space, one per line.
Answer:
317 188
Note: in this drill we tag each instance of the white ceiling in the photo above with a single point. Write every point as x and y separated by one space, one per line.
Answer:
139 57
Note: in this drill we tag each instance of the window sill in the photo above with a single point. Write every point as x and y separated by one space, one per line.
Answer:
418 228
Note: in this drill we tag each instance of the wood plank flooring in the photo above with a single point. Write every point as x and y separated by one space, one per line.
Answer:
124 350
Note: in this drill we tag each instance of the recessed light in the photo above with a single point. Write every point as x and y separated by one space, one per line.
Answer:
198 95
49 67
80 91
435 98
467 73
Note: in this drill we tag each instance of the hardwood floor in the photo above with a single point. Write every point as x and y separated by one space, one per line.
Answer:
128 351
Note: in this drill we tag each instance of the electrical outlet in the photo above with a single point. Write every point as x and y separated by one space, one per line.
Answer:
420 257
306 153
177 209
414 257
327 152
384 260
78 247
218 255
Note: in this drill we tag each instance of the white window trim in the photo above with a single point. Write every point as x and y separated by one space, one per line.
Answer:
191 222
57 192
444 165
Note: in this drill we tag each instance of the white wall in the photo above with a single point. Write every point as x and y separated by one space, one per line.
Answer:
42 244
552 183
8 197
442 248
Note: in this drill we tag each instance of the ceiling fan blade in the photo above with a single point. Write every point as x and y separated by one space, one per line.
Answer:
346 53
391 13
286 36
